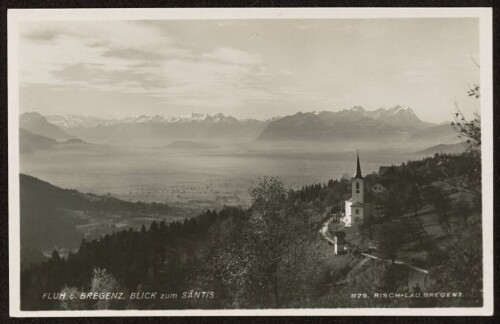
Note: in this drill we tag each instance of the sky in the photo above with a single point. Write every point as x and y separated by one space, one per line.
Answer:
248 68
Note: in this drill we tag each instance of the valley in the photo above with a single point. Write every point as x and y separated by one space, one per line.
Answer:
198 162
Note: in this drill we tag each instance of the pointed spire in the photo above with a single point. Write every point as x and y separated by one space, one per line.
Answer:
358 174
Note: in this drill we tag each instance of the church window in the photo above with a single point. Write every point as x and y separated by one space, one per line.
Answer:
357 211
357 185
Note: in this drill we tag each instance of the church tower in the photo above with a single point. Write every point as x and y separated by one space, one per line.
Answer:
358 185
356 209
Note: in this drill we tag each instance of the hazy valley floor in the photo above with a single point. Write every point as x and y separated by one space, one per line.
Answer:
207 179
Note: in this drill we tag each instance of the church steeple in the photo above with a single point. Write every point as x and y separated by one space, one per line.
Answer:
358 174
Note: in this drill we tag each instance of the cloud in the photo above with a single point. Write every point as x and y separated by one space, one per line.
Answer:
133 54
142 59
234 56
287 72
42 35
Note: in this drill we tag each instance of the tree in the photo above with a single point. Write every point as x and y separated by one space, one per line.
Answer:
104 282
69 303
280 238
365 228
463 208
391 204
394 278
224 262
414 200
391 239
463 256
470 131
441 202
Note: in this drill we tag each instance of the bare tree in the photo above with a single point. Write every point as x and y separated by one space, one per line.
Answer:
282 239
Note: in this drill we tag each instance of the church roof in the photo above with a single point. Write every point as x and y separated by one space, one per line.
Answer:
358 174
385 170
358 204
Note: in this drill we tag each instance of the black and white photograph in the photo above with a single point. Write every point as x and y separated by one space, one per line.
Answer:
250 162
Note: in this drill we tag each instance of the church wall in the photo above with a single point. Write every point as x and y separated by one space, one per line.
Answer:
356 218
357 190
347 217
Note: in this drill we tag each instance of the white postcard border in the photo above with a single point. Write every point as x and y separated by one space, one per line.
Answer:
15 16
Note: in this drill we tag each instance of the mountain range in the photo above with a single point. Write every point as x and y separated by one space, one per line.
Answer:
159 130
396 124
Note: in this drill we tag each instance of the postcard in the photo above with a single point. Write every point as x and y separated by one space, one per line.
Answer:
200 162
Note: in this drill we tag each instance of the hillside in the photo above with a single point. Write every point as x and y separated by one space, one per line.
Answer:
423 247
50 215
443 148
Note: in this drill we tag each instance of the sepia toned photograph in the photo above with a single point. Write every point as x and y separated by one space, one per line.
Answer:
250 162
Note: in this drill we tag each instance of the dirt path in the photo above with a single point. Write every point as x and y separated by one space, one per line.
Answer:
396 262
324 230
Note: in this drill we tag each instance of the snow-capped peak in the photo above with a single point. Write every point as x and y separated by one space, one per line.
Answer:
358 109
192 117
67 121
399 108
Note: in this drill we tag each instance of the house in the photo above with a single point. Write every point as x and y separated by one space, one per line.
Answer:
378 188
386 171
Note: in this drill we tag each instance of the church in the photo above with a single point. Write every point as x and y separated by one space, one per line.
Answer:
357 208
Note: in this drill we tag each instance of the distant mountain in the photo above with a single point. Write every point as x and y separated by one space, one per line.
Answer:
398 123
444 148
153 130
68 121
442 133
395 124
29 142
190 145
39 125
76 121
327 126
398 115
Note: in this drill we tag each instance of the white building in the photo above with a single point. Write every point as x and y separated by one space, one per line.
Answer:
339 242
356 208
